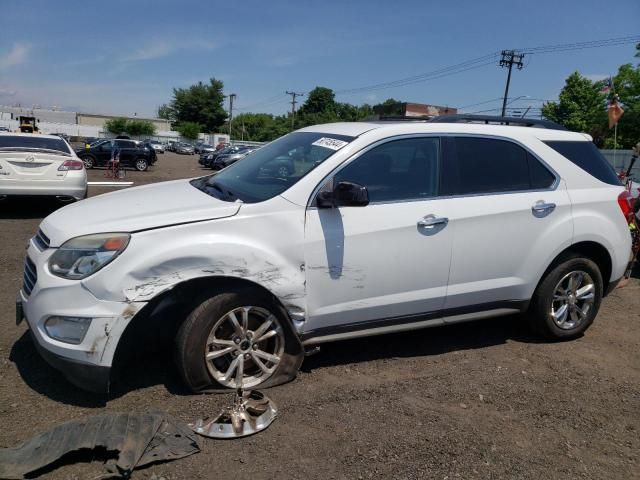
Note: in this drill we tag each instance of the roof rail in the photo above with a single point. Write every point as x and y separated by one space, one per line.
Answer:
489 119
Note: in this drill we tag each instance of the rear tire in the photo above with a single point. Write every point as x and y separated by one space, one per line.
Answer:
88 162
209 342
567 299
142 164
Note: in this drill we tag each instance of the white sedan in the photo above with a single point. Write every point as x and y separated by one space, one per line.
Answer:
40 165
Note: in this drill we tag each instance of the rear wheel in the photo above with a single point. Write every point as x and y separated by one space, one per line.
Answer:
237 338
88 162
141 164
567 300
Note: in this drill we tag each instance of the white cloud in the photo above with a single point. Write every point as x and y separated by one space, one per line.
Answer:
161 48
18 54
596 77
5 92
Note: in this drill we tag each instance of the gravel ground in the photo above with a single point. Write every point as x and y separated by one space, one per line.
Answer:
481 400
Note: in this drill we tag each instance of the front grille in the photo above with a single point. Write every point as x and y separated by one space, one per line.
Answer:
41 240
30 276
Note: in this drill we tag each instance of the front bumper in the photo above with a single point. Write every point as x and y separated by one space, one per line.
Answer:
93 378
88 363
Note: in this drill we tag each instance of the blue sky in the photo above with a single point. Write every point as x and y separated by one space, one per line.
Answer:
121 57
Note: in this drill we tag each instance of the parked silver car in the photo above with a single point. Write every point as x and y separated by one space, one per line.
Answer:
184 148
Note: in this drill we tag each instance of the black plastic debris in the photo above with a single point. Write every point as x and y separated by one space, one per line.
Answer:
137 439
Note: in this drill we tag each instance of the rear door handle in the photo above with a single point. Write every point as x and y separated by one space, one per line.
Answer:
542 209
431 221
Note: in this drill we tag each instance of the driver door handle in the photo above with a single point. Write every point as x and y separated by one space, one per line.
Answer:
431 221
542 209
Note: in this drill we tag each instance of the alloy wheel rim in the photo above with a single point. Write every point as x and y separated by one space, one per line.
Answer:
573 298
141 164
244 347
282 171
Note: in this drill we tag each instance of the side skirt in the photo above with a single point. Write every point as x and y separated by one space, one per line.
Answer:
413 322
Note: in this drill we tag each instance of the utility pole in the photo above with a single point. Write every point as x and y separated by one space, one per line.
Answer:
232 97
509 59
293 106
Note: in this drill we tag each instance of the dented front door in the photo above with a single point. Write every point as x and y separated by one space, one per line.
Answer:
388 261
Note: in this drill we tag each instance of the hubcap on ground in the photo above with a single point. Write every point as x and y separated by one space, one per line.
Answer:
244 347
573 297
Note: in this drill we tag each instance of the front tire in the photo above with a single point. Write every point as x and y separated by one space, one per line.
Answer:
237 336
567 299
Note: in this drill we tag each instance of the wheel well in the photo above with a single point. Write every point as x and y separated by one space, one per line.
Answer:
167 311
591 250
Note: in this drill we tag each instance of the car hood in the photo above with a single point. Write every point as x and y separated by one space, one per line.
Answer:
139 208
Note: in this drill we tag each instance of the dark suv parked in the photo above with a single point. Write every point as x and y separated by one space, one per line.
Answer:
132 154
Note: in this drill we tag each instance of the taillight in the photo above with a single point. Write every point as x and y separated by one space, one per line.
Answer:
71 165
625 200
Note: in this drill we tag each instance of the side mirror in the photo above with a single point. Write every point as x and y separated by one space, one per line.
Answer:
349 194
344 194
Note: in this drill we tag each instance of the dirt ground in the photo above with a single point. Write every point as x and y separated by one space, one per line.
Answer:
479 400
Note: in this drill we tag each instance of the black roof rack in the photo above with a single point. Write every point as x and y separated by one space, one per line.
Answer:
489 119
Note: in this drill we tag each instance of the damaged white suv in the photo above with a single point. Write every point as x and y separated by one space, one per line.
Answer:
331 232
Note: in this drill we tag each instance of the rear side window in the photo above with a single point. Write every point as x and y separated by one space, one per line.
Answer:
586 156
486 165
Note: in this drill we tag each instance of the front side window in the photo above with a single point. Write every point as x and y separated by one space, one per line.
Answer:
272 169
485 165
406 169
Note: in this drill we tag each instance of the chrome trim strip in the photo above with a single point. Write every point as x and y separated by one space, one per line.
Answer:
497 312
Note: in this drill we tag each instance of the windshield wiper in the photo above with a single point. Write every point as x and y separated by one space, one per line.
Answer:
34 149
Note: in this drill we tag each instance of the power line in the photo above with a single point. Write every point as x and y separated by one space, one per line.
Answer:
563 47
467 65
269 101
463 66
477 62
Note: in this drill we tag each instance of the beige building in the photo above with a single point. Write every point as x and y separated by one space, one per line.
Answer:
96 120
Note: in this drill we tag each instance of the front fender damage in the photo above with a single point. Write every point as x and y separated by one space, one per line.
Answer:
287 284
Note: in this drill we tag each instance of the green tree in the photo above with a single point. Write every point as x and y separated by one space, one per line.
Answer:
189 129
200 103
140 127
320 100
116 126
135 127
580 107
626 85
166 112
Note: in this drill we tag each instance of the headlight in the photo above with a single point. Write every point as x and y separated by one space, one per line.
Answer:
82 256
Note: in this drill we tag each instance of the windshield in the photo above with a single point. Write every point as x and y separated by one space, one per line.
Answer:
272 169
18 142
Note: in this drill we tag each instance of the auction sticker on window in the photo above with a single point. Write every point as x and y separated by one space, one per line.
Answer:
332 143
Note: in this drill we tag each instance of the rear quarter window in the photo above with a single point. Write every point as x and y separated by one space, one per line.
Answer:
586 156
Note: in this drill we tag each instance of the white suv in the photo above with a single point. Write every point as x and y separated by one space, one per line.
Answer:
375 228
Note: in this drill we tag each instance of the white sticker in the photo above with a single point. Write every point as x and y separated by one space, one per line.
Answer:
332 143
